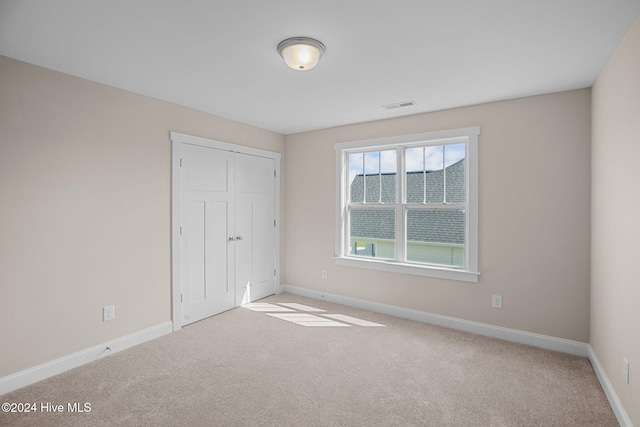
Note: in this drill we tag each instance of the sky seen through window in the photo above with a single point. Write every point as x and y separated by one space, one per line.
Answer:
417 159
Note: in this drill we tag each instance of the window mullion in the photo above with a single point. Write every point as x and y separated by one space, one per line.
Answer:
444 175
401 185
346 244
346 247
364 180
345 198
379 176
424 175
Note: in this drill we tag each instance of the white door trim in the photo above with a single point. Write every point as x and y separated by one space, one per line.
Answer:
177 140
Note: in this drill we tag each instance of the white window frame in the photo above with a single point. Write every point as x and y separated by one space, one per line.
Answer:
469 136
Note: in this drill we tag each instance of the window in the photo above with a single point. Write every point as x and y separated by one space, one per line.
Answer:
409 204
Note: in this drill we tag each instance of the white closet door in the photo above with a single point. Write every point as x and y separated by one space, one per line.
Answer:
255 228
206 252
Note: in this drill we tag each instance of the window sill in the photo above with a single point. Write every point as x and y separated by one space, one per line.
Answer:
416 270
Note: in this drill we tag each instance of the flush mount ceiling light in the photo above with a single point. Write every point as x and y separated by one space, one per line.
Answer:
301 53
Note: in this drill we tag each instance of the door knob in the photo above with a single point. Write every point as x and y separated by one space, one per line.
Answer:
231 239
238 237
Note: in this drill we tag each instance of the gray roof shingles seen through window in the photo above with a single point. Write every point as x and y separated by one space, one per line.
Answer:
433 225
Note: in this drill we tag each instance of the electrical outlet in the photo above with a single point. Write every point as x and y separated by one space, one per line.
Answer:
108 313
496 301
625 364
323 273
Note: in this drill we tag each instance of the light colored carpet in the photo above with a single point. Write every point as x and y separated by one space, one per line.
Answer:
246 368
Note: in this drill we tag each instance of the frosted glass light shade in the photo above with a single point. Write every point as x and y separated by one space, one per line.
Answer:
301 53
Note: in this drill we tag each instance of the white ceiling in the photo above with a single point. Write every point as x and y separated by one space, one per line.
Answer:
220 56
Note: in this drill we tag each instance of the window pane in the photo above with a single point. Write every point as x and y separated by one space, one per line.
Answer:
372 182
356 177
434 174
414 166
372 177
388 168
425 174
372 162
372 233
436 236
455 159
414 159
388 188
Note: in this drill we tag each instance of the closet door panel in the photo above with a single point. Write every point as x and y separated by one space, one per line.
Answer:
207 206
255 228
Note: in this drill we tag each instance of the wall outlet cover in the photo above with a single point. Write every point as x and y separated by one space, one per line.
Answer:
625 364
108 313
496 301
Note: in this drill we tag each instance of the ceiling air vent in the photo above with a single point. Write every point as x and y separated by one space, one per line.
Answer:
399 105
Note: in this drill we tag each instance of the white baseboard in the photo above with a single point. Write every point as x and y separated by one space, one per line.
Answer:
609 391
537 340
38 373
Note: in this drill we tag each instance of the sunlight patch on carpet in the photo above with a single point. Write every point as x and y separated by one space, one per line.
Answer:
301 307
305 319
263 306
299 314
353 320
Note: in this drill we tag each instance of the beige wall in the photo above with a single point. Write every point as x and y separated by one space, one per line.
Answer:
534 201
615 292
85 209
